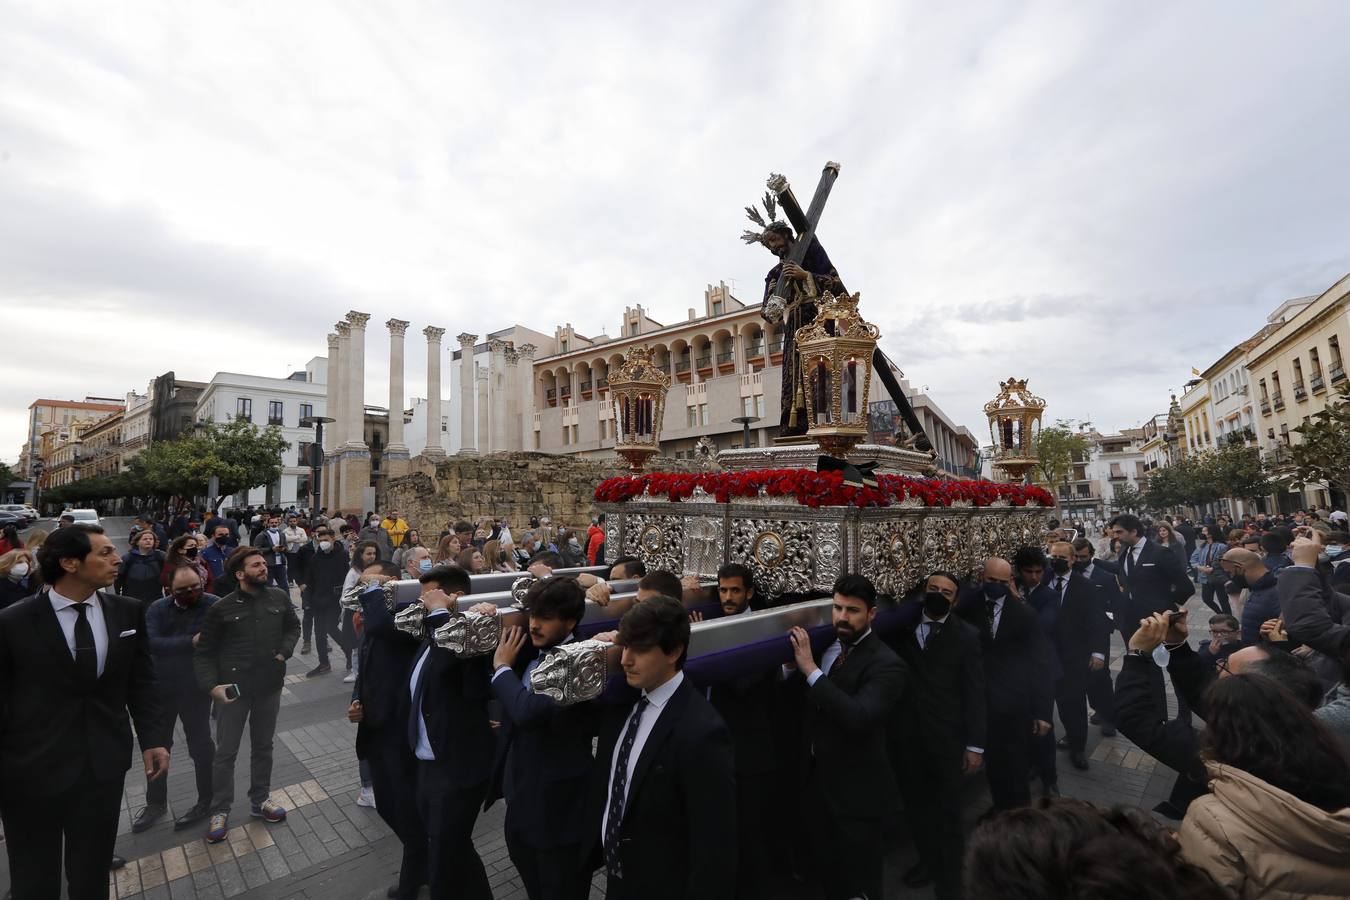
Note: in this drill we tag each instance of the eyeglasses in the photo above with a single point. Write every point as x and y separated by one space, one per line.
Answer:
1222 666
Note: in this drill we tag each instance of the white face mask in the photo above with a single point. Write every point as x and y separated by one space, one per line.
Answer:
19 570
325 546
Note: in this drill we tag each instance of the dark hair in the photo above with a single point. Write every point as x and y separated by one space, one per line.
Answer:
448 578
631 563
1127 522
1336 537
237 558
548 558
1273 542
178 546
1292 673
1084 544
660 622
556 598
1062 847
859 587
666 584
65 516
386 568
461 526
942 573
359 549
1028 557
67 542
1224 619
736 570
1255 725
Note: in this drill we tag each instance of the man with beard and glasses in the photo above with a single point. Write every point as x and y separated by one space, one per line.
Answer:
937 735
246 638
544 761
850 786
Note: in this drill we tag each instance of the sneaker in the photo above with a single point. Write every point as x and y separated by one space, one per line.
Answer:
305 649
268 811
366 798
350 679
218 829
320 669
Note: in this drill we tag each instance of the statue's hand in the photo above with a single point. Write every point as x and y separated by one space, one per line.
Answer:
773 309
793 271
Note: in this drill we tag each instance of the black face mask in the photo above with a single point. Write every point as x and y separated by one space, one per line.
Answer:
1080 565
936 605
222 541
995 591
1238 581
190 552
1059 566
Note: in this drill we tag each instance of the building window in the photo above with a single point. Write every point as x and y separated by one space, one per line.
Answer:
275 411
306 411
717 307
576 434
243 409
703 413
603 436
445 424
633 328
302 453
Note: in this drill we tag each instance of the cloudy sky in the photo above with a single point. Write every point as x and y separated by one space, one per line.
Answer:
1096 196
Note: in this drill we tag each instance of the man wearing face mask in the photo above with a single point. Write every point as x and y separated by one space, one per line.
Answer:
325 564
215 555
1247 570
417 563
1079 640
173 625
1017 679
937 734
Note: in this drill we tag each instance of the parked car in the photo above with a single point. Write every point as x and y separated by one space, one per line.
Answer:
9 518
87 516
27 512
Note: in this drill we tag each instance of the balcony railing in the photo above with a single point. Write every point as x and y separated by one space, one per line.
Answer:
586 386
726 357
682 367
1265 407
1277 400
1337 372
602 383
1316 383
1117 476
704 362
756 351
274 420
551 394
1300 392
776 347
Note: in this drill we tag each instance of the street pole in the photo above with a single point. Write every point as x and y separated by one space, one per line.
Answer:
315 459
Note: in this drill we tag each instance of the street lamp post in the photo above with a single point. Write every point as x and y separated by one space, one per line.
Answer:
745 422
315 457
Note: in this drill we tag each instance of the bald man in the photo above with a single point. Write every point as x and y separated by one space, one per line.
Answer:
1248 570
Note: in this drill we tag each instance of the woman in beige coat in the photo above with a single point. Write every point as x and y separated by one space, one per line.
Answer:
1277 823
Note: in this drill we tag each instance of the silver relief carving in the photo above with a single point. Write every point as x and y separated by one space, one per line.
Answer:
779 552
410 620
656 539
829 555
469 634
572 673
703 551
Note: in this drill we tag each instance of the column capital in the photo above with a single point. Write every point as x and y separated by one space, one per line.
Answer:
433 334
467 340
526 351
397 327
512 357
332 342
343 329
358 319
496 345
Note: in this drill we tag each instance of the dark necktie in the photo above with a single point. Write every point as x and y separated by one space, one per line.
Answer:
991 610
86 652
933 629
618 791
844 649
1059 589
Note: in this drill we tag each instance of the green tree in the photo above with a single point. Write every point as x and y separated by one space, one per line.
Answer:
1127 498
1238 472
1187 482
1056 449
240 454
1323 453
6 477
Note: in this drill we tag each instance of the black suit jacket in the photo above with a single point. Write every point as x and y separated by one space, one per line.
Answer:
54 731
677 840
1156 583
264 543
942 707
1017 666
846 715
387 656
1079 627
746 705
455 698
543 765
1104 579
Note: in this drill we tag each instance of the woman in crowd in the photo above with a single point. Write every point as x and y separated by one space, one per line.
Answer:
35 541
1205 561
1172 541
471 560
184 551
496 557
364 555
447 551
139 574
1277 823
19 577
569 548
411 539
9 539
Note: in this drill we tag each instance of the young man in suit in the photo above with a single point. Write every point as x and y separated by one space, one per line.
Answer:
74 661
544 761
446 713
937 733
1102 575
1152 577
663 796
850 785
1079 638
1018 679
272 542
386 656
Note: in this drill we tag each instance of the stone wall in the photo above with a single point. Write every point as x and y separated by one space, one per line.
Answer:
514 485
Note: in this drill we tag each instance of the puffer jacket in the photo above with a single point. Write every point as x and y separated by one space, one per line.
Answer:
1259 841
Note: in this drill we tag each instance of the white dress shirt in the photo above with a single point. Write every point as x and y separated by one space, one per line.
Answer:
924 629
656 700
277 544
67 615
423 749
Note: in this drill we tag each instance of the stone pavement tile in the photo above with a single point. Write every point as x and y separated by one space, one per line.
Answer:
152 871
323 829
314 848
128 879
351 835
198 859
182 889
239 843
258 835
273 863
231 879
158 892
219 853
175 863
288 848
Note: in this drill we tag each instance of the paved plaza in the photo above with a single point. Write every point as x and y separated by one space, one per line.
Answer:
329 847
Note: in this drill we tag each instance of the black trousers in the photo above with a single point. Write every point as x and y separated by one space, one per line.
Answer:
194 708
393 775
448 814
931 785
548 873
836 838
306 620
278 577
1101 693
1071 701
1215 596
82 820
325 626
1007 760
754 872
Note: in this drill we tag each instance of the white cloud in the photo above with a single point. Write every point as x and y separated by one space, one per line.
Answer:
1083 194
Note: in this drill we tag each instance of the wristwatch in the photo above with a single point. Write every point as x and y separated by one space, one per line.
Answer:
1142 654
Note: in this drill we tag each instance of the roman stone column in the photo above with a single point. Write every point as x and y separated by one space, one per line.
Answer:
481 380
396 450
356 371
467 437
528 399
329 433
511 401
497 393
434 449
337 373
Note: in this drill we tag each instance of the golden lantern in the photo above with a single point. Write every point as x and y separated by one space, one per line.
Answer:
836 355
1014 427
638 390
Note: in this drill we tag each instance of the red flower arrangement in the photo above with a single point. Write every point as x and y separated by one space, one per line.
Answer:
816 489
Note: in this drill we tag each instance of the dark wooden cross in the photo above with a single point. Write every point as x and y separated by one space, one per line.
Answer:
803 223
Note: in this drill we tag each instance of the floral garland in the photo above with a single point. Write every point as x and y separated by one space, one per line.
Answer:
816 489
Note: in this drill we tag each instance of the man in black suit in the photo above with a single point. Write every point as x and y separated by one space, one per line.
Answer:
1079 639
662 803
850 786
937 733
1102 574
73 662
387 656
1017 678
445 708
272 542
1152 577
544 760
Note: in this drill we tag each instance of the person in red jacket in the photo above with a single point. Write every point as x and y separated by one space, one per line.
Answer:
595 539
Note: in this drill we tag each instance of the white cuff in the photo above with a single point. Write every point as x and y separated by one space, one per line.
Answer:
500 670
1101 656
979 750
814 677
